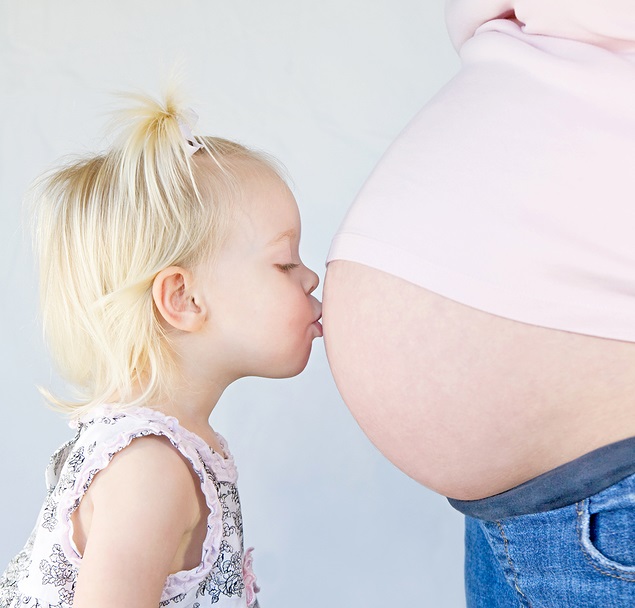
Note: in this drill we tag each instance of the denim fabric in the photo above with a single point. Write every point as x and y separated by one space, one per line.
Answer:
578 556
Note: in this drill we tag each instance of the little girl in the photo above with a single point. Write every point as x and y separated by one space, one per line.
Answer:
169 268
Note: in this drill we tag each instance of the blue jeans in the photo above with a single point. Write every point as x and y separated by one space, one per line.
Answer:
577 556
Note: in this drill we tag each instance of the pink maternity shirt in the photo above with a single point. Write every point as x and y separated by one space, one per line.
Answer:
513 190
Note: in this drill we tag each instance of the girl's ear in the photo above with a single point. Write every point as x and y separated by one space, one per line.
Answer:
175 298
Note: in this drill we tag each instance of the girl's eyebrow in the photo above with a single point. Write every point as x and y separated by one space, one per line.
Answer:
287 234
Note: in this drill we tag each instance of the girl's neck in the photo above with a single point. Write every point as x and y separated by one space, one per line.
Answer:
195 418
191 403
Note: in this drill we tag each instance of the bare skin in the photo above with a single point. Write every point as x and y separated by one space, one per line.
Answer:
143 518
467 403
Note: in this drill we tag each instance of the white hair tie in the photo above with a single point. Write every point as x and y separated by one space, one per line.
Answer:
186 120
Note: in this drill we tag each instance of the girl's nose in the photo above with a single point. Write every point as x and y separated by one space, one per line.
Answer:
311 282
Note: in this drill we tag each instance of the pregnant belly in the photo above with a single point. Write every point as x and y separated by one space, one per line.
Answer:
468 403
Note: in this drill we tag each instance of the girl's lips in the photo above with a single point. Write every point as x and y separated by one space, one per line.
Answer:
318 325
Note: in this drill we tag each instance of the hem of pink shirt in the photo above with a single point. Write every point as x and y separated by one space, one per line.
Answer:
515 305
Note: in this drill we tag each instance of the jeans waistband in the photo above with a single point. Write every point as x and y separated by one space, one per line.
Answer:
560 487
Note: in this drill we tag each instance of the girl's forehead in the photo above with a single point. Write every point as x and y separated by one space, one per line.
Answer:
260 180
268 194
268 213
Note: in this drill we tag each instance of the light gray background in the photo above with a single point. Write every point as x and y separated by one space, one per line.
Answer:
324 86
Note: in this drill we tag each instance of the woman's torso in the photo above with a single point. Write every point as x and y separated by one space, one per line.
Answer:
468 403
479 307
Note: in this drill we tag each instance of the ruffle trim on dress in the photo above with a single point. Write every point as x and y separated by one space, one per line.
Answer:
249 578
143 422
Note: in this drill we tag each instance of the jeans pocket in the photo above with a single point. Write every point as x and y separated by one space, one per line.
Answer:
606 527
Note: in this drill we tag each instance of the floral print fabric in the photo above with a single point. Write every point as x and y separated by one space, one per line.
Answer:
44 573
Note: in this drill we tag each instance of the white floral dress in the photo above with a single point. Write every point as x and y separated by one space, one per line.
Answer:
43 574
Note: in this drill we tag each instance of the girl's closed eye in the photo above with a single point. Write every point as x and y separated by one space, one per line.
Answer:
286 267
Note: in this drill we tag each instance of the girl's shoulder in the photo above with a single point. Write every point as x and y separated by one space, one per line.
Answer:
109 430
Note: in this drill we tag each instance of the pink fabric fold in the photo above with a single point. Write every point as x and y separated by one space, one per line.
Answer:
606 23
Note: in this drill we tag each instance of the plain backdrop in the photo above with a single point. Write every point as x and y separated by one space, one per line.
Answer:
325 87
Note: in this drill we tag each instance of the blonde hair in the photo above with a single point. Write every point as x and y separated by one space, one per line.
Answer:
106 225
